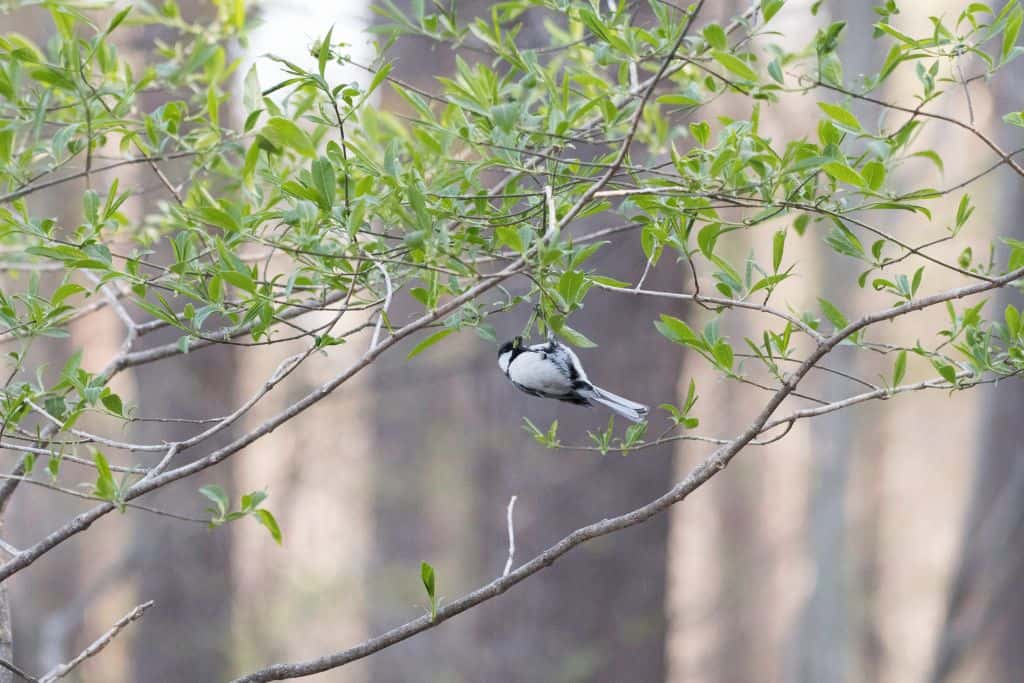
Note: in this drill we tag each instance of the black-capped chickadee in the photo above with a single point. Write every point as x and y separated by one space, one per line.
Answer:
552 370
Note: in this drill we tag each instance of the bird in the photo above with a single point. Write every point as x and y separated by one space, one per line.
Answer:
552 370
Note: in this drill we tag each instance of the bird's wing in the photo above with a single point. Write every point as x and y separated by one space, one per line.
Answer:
572 363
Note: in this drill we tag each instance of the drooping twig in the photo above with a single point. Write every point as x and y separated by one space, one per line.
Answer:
511 537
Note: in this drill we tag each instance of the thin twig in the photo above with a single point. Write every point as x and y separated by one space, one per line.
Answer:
97 645
17 672
696 478
382 313
511 537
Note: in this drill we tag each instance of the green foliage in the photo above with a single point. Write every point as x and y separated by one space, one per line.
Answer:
221 512
317 199
427 577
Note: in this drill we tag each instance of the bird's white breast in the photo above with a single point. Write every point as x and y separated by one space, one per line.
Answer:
534 371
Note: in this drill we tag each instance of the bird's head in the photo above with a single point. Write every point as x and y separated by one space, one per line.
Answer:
508 351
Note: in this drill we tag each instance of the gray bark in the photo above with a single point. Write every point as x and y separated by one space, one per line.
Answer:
6 635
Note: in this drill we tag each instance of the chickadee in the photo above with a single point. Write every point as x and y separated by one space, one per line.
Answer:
552 370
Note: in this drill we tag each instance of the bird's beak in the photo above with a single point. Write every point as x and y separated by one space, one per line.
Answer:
517 343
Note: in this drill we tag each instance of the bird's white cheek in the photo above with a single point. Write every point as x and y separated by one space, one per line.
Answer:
503 361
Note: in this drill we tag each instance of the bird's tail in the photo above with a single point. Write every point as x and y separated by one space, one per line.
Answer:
631 410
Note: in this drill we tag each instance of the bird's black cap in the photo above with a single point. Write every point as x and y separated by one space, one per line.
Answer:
514 345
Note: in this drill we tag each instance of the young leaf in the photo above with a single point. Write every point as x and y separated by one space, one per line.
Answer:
105 486
325 182
427 574
734 64
844 174
778 245
900 368
428 342
216 494
266 518
834 315
285 133
841 115
324 52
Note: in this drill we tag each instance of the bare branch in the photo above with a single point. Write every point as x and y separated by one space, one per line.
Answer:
699 475
97 645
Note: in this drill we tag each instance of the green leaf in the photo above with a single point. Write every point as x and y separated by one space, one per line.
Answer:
899 371
55 406
610 282
843 241
734 64
285 133
266 518
510 237
841 115
112 402
105 486
768 282
216 494
701 132
118 18
769 8
778 245
243 281
874 174
1014 118
834 315
678 331
963 211
1013 320
724 355
947 371
678 99
715 35
932 156
419 206
325 182
251 501
64 291
429 341
916 281
575 337
844 173
324 53
427 576
1010 33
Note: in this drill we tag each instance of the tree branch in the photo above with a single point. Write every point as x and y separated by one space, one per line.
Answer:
97 645
698 476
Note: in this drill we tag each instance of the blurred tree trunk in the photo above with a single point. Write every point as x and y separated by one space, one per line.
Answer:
184 568
984 624
451 452
827 632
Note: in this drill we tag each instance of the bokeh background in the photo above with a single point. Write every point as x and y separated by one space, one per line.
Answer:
883 543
